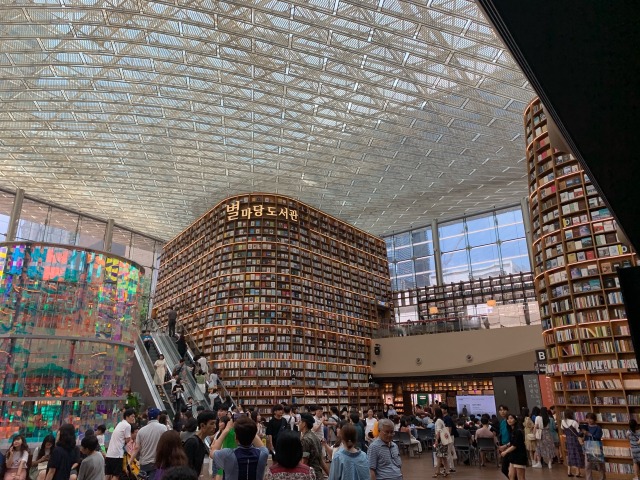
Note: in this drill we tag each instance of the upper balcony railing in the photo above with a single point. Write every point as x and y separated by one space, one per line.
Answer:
437 324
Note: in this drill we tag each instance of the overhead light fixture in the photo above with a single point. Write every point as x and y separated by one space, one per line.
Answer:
433 310
491 303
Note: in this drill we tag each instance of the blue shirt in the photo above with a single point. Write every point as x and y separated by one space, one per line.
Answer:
504 432
349 466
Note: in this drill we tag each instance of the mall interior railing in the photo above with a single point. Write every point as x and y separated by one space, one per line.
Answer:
148 370
435 325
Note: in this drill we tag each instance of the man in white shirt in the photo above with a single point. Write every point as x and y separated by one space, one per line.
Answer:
370 426
318 426
119 438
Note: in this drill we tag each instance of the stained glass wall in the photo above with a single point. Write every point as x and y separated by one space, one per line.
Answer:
68 322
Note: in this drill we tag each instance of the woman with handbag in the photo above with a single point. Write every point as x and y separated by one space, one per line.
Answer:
441 443
530 441
593 455
575 455
545 448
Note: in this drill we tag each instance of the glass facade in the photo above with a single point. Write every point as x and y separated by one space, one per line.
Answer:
40 222
68 321
480 246
411 261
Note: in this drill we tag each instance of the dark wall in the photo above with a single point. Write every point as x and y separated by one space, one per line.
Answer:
505 391
582 59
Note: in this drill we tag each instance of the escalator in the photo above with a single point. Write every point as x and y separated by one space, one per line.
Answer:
142 375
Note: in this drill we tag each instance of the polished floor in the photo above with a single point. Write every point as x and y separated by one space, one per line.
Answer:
422 469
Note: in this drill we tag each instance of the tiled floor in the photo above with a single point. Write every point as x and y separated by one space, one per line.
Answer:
422 469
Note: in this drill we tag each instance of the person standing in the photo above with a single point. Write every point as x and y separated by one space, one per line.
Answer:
160 367
92 466
248 460
515 450
592 432
173 317
371 425
275 425
575 455
65 455
178 395
545 449
119 438
442 439
169 453
147 442
503 431
349 463
383 454
529 435
453 431
194 446
312 447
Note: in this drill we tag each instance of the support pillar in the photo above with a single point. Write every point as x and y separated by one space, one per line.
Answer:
15 215
435 237
526 220
108 235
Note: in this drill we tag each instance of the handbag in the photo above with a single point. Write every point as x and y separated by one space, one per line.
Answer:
445 436
531 436
593 451
538 434
33 473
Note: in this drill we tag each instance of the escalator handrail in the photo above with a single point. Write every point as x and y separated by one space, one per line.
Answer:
170 352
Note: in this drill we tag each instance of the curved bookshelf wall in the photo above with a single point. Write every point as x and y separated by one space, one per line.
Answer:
283 298
577 251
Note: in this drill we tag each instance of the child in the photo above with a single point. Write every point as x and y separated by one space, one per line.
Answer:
100 436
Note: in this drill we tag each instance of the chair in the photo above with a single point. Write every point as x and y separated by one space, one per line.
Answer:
488 446
426 436
405 440
399 442
463 449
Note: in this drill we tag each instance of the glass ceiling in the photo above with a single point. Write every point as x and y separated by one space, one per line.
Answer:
385 113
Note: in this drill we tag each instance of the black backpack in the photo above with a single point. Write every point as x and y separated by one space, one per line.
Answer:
247 458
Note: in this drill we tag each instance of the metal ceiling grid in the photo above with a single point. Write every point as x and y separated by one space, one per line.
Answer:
386 113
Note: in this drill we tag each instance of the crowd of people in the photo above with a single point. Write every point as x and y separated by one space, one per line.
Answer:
313 444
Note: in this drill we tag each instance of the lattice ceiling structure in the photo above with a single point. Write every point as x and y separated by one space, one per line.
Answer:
385 113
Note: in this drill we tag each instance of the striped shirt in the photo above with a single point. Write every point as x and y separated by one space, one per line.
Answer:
385 460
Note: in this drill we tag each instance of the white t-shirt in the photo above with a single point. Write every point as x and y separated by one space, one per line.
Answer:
118 437
203 365
17 458
371 422
320 432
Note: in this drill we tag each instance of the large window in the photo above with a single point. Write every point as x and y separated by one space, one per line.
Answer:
478 246
411 261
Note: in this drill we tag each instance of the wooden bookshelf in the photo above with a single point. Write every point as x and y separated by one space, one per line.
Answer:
453 299
578 249
282 297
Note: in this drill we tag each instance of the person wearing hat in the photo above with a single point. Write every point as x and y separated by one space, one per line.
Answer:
311 447
147 441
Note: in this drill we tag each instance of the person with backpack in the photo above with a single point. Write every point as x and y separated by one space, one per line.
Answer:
194 446
275 426
248 460
290 419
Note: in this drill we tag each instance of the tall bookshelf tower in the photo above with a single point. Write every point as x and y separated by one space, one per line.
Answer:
578 249
283 298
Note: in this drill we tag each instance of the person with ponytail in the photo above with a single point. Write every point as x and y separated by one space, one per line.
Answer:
349 463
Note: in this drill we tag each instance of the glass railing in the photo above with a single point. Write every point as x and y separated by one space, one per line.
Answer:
436 324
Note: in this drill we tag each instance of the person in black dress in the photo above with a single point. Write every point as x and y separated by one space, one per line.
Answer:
515 451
